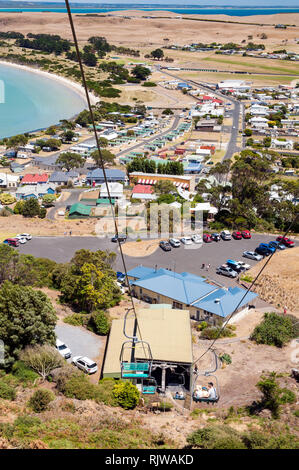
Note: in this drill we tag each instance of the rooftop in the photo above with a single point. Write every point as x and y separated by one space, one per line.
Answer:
166 330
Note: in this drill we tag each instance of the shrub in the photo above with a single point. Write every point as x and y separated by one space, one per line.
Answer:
216 437
149 84
214 332
126 394
6 198
165 406
201 326
104 392
23 373
42 359
77 319
40 400
274 330
78 386
226 358
99 322
7 391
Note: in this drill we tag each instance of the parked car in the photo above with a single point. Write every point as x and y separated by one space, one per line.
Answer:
252 255
264 249
277 245
207 238
244 265
226 271
165 246
25 235
21 239
174 242
225 235
237 235
186 240
196 238
235 266
85 364
216 237
121 238
285 241
12 242
246 234
63 349
121 277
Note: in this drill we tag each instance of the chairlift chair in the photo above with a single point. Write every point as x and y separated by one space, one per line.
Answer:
208 374
131 367
149 386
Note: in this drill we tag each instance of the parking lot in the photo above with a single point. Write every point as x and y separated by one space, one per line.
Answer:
185 258
81 342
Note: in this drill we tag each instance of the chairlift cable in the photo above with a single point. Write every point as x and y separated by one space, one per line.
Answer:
247 291
70 17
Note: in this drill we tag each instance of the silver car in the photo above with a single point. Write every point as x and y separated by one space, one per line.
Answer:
252 255
175 242
85 364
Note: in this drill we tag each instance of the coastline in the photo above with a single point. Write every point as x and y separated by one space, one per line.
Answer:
75 87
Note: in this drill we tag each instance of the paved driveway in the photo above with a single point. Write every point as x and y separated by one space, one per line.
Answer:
61 249
81 342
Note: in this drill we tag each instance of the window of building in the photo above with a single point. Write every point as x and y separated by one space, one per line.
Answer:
177 305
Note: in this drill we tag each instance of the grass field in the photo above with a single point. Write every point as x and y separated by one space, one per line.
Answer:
215 77
248 63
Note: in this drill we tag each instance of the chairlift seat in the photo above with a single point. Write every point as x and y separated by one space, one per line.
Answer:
206 400
148 390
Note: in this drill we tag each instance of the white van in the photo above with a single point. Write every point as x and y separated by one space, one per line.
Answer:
63 349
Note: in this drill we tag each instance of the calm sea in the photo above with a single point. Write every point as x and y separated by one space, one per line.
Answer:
29 101
180 11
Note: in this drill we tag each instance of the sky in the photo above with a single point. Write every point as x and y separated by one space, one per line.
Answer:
252 3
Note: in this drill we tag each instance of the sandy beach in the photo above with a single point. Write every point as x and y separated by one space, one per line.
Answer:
75 87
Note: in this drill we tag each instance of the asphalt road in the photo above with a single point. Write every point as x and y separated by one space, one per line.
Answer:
236 110
81 342
61 249
72 199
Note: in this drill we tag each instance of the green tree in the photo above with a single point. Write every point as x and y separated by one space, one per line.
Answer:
16 141
27 318
275 330
48 200
140 72
100 323
165 187
157 54
31 207
126 394
107 156
70 160
68 135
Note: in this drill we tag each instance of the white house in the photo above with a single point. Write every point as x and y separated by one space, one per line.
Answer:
282 144
8 181
259 110
234 85
259 122
116 190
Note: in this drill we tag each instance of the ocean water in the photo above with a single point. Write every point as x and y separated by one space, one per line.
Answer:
230 11
29 101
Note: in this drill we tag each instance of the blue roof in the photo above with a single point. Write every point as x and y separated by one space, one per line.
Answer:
229 299
111 174
185 287
140 271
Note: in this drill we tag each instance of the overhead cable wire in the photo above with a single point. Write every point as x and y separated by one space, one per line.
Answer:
84 83
247 291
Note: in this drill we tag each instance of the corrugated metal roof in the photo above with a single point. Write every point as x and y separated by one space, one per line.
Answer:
80 209
166 330
229 301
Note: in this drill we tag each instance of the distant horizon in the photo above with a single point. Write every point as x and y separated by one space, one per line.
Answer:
242 4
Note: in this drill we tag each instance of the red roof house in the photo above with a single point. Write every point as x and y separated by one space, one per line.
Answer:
35 178
143 191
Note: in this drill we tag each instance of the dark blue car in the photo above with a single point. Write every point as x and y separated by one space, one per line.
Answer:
265 249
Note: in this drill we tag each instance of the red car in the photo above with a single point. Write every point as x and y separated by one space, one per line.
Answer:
246 234
237 235
207 238
286 241
11 242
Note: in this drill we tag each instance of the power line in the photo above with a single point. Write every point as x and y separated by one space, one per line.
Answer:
101 156
247 291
